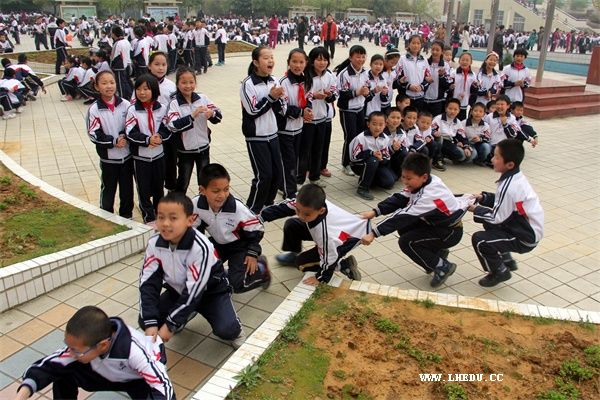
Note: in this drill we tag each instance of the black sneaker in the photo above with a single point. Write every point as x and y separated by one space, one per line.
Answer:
494 278
442 273
288 259
349 267
365 194
267 274
438 165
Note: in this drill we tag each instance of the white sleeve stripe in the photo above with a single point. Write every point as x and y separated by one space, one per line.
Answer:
166 383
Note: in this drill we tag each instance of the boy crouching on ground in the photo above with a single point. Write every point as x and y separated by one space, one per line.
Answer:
335 232
101 354
234 230
513 219
426 215
184 262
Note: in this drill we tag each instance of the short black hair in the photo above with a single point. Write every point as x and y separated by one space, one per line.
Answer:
452 100
490 104
503 98
478 104
418 163
181 199
152 83
424 113
375 114
520 52
5 62
511 150
9 73
311 196
408 109
516 104
391 110
22 58
401 97
117 30
90 324
211 172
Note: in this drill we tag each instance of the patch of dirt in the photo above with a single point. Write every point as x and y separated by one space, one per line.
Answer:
381 345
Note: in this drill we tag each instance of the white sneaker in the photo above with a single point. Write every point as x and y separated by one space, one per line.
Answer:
238 341
19 110
319 182
66 98
9 115
348 171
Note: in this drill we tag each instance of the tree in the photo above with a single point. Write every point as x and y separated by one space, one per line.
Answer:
241 7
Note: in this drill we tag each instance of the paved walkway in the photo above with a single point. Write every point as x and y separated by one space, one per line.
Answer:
49 139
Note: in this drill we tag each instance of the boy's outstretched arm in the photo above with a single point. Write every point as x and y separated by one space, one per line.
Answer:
286 208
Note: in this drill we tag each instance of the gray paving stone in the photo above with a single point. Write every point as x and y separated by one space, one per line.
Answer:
49 343
251 316
5 381
266 301
15 365
211 352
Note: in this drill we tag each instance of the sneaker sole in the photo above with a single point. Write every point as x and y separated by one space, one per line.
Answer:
353 267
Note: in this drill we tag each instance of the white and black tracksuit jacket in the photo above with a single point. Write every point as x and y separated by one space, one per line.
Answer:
193 133
514 208
104 126
186 270
233 225
335 232
258 108
433 204
128 359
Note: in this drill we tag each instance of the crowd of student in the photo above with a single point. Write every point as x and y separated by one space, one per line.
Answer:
158 130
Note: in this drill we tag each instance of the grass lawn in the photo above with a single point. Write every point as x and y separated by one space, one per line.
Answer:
33 223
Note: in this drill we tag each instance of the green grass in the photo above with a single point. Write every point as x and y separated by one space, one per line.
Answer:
571 369
305 368
455 392
386 326
592 356
47 230
427 303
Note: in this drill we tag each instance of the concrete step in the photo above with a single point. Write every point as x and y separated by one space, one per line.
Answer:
563 99
562 110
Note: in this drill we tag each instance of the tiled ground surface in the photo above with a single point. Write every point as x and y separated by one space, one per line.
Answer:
49 140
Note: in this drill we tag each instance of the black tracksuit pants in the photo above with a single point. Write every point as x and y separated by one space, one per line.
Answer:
216 305
61 56
289 146
113 176
494 245
424 243
311 145
353 123
235 254
185 166
265 159
150 178
83 376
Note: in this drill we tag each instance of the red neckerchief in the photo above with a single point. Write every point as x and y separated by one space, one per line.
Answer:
518 67
111 104
149 106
